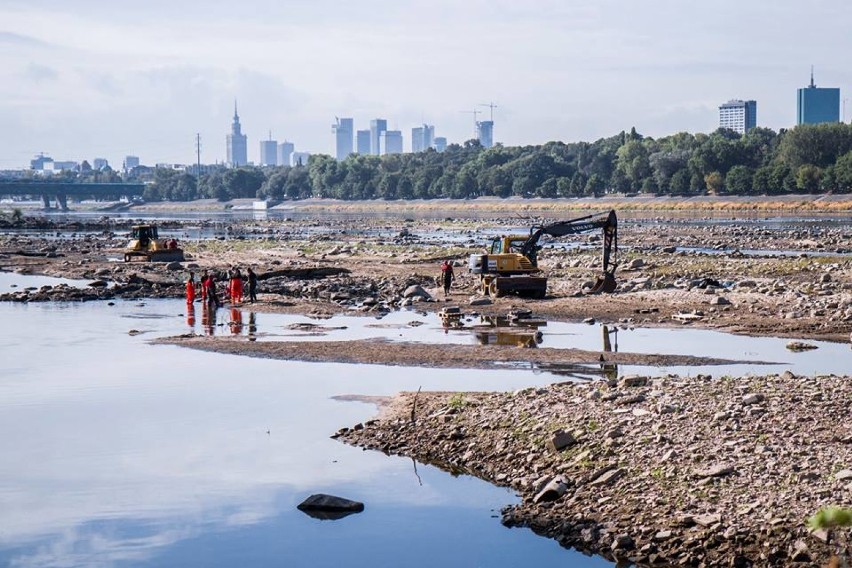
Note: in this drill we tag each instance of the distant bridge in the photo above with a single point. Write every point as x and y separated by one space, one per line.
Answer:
59 191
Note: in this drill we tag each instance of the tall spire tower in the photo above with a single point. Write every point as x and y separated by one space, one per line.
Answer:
237 143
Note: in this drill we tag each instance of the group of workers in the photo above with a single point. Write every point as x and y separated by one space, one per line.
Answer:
205 288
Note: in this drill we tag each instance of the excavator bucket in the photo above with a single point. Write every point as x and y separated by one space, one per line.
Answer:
605 285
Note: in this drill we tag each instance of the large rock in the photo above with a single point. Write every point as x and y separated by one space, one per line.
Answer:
329 507
416 291
555 489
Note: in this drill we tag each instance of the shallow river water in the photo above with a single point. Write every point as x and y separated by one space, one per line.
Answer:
119 453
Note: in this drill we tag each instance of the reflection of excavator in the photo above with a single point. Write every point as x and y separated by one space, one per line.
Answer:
511 264
145 243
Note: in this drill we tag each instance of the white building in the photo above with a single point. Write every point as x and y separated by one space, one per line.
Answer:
740 116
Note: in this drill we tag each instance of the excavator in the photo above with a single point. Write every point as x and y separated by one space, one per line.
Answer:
510 266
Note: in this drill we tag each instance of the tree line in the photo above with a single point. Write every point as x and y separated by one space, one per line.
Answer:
804 159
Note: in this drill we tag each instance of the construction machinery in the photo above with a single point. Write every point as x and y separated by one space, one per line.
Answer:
510 266
145 243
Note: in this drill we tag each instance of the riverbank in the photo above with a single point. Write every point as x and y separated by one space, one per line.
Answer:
826 204
653 471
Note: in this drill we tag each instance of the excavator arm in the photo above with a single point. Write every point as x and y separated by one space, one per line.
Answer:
608 222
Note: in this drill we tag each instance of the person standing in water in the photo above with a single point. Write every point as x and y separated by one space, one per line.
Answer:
236 286
252 284
190 288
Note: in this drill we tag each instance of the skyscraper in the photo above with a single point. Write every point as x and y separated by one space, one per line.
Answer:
377 126
343 131
391 142
818 104
422 138
440 144
485 133
737 115
237 143
285 151
363 142
269 152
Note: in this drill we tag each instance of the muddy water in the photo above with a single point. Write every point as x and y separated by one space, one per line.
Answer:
119 453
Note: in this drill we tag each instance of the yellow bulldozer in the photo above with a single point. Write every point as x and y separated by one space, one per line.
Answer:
145 243
510 265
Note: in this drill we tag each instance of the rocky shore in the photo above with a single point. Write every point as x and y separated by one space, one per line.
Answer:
654 471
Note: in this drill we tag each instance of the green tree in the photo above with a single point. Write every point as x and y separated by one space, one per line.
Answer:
808 178
739 180
714 183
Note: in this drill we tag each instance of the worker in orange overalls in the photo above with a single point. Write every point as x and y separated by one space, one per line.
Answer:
236 286
190 289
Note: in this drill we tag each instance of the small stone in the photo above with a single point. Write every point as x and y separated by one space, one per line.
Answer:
623 542
560 440
663 535
720 470
608 477
629 381
800 346
707 520
475 301
636 263
843 474
753 398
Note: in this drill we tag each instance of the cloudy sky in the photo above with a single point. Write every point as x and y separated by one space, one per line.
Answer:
95 78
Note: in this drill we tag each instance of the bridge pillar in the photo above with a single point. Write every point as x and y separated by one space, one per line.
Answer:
62 201
46 200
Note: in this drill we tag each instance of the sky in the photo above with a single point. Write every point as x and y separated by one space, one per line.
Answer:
94 78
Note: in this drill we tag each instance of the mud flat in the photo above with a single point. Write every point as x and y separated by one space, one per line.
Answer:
396 353
654 471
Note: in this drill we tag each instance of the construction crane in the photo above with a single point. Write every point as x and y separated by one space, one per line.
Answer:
491 106
474 112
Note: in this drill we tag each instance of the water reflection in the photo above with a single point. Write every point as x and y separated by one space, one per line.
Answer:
119 453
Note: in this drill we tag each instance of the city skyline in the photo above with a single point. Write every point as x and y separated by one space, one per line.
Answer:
97 79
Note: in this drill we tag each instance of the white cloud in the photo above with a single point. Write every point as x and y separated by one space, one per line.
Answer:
144 78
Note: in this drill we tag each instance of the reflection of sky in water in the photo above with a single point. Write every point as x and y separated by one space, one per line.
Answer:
116 452
397 326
